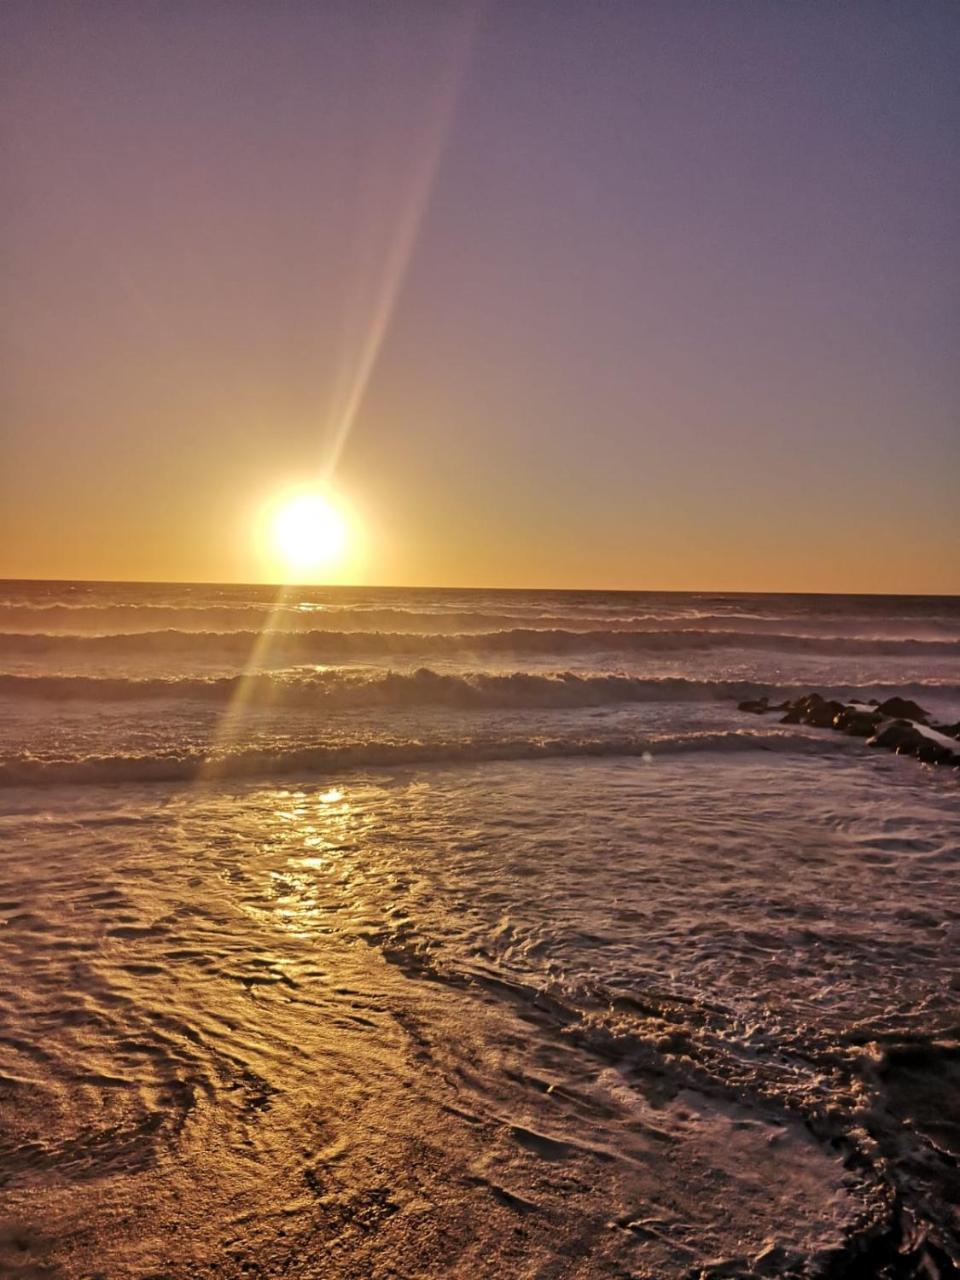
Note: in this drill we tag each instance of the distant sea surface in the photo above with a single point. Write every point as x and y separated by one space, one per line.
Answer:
472 933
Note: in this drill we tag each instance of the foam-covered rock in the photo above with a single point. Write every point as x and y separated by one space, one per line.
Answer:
903 709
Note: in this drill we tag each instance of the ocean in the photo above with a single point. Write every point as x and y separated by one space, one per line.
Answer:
382 932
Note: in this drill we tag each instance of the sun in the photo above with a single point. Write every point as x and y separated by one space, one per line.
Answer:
308 532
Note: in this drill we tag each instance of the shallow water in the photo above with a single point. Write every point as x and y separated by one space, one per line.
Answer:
557 984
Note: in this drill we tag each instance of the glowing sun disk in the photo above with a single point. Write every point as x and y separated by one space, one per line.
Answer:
308 531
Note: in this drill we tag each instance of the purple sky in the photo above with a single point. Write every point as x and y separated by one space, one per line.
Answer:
625 294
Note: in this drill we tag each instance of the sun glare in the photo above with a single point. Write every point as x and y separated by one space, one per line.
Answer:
308 532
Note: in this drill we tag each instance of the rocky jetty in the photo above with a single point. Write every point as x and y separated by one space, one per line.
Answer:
898 724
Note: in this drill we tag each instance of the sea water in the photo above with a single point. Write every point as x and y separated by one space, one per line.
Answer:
472 933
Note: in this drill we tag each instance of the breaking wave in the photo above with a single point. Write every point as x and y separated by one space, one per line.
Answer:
99 619
423 687
929 619
331 645
24 769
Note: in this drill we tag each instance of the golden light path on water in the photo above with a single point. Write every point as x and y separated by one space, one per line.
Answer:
357 365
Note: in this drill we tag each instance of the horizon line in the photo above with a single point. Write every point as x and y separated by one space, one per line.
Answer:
345 586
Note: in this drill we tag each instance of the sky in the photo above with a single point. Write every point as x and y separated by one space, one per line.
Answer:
561 293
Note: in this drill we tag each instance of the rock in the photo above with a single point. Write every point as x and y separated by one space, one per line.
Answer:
758 706
903 709
800 710
824 716
935 753
907 740
814 710
898 735
857 722
898 724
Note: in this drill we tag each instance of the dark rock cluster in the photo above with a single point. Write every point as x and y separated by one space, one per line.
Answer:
898 724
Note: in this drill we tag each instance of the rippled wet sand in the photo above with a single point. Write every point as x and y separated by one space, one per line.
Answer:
571 1019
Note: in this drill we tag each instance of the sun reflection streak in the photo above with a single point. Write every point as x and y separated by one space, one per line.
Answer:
317 836
229 722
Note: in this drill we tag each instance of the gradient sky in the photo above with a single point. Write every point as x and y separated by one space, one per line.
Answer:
589 294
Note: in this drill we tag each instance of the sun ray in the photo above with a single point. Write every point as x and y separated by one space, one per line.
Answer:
295 522
413 200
